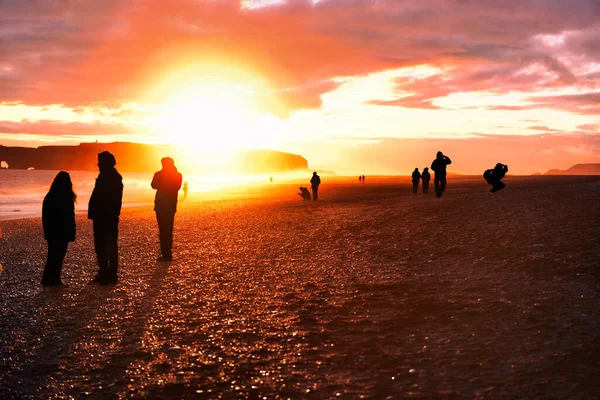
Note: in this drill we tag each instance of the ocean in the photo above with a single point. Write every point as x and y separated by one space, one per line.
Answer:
22 191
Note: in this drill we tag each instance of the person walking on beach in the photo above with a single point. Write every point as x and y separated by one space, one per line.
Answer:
494 177
167 183
425 176
104 210
58 221
439 168
185 189
314 183
416 177
363 179
360 179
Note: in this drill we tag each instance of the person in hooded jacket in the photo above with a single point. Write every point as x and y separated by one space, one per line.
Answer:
58 221
416 177
426 177
167 183
104 210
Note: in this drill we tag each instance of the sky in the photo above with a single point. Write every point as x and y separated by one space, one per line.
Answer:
355 86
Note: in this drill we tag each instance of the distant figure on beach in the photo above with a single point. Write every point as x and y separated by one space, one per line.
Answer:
314 183
167 183
416 177
58 220
360 179
494 177
271 179
439 168
363 179
104 210
185 189
304 193
425 176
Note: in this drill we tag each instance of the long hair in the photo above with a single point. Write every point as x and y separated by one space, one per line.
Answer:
63 187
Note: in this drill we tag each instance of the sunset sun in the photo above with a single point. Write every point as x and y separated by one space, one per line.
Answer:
208 116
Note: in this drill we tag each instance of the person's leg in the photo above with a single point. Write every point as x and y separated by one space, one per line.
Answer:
100 247
49 276
112 250
443 183
498 185
60 257
315 193
170 222
165 229
436 183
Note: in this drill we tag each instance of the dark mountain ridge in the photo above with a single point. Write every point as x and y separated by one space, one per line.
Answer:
577 169
137 157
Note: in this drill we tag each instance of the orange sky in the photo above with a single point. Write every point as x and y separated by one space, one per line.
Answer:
354 86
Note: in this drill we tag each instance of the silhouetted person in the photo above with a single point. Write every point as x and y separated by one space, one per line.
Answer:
304 193
416 177
185 189
58 220
104 210
363 179
439 168
167 183
315 181
360 179
425 176
494 177
271 179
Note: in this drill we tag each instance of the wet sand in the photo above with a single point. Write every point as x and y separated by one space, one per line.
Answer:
371 292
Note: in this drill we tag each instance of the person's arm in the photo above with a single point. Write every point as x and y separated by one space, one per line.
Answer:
448 160
433 165
179 180
154 183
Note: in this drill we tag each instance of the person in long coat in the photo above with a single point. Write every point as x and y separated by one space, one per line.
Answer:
58 221
104 210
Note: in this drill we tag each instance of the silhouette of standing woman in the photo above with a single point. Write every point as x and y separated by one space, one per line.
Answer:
416 177
315 182
58 220
167 183
439 168
104 210
425 176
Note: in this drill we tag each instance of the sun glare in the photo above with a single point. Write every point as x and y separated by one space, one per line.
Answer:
211 116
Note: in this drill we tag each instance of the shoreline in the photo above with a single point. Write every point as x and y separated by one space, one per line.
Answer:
371 292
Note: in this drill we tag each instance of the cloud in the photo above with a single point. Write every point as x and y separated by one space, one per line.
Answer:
81 53
57 129
542 128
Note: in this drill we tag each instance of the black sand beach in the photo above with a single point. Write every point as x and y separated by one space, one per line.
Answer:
370 293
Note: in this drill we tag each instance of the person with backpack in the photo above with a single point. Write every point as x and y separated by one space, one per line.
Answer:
494 177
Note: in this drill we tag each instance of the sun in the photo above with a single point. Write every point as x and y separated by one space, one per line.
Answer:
212 115
212 111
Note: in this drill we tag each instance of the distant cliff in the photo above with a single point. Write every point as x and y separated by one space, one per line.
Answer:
578 169
137 157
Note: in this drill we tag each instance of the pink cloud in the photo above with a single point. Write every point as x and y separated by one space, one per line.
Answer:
80 53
